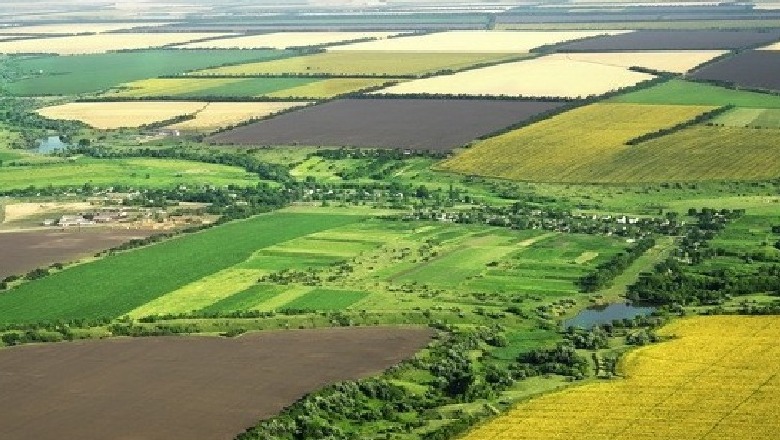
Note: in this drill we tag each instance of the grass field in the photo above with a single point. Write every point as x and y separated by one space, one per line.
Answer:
69 75
305 88
582 145
717 380
680 92
750 117
471 41
113 115
223 114
668 61
284 40
146 173
364 63
86 44
73 28
93 289
326 300
549 76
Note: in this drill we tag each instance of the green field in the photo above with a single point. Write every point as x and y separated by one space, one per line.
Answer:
679 92
117 284
311 88
750 117
641 25
588 145
363 63
325 300
146 173
69 75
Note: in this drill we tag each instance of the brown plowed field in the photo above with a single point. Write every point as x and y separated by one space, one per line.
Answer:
673 40
21 252
194 388
755 69
421 124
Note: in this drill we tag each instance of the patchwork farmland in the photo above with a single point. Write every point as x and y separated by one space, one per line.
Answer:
717 379
395 123
285 40
216 115
666 61
548 76
751 70
680 92
675 40
363 63
88 44
113 115
312 358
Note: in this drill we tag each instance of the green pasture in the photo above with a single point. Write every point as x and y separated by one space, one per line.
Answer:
681 92
325 300
77 74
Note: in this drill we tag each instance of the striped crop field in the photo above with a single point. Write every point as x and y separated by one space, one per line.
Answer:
716 380
587 144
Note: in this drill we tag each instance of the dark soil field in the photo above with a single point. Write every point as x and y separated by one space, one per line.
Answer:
36 249
194 388
419 124
758 69
674 40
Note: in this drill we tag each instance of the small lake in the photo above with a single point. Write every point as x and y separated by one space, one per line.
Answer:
49 145
605 314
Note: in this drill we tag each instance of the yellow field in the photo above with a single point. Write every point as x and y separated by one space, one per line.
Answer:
283 40
719 380
473 41
775 46
85 44
328 88
74 28
364 63
677 62
546 76
582 145
169 86
217 115
112 115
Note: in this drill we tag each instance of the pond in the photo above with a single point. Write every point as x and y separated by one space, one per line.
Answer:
49 145
607 313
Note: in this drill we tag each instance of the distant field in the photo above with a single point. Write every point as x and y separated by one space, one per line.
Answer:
145 173
73 28
581 145
549 76
90 290
675 40
113 115
772 47
301 88
363 63
750 117
284 40
70 75
472 41
716 380
679 92
753 69
87 44
223 114
387 123
668 61
645 25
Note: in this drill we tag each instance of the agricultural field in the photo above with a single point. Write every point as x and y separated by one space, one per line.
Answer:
216 115
41 248
749 117
716 379
285 40
771 47
472 41
124 372
680 92
751 70
387 123
113 115
668 61
293 88
725 24
74 28
173 264
76 74
144 173
675 40
89 44
548 76
585 145
364 63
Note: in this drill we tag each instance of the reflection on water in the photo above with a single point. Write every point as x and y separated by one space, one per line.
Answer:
606 313
50 144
